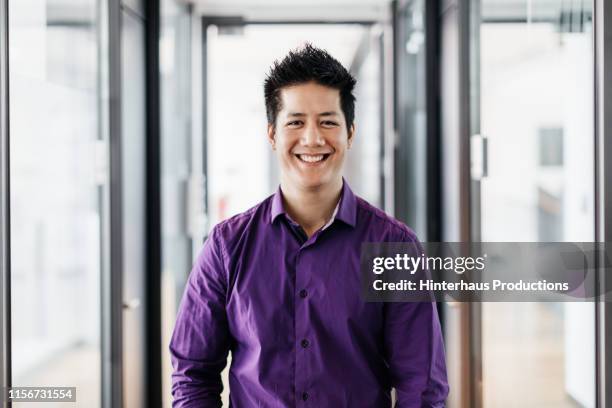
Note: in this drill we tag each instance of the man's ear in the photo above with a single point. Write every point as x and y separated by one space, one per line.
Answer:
272 135
351 135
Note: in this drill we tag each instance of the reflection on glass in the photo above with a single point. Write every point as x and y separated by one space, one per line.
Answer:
133 196
363 169
178 169
536 109
56 181
411 155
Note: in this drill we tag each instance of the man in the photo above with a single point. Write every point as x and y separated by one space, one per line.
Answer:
279 285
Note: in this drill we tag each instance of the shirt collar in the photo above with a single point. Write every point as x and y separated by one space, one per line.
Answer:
345 211
332 218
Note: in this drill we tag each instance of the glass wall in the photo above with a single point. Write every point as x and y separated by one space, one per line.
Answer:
58 181
411 118
364 168
181 169
133 207
536 109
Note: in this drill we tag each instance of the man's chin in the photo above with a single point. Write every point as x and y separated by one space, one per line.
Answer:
311 184
314 183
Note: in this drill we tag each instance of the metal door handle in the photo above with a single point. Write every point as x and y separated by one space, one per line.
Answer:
479 157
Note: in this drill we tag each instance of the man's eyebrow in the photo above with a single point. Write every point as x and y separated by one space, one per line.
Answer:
300 114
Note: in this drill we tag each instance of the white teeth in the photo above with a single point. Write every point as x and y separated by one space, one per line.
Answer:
310 158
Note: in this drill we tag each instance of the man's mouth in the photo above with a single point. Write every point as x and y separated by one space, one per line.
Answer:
313 158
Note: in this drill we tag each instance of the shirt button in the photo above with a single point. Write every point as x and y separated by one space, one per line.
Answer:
304 396
305 343
303 293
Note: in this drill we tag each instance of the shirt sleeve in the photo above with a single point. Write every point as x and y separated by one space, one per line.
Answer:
415 353
200 341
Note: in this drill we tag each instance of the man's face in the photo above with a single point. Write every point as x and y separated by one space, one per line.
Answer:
310 136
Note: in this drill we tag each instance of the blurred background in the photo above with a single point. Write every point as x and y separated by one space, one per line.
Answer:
130 128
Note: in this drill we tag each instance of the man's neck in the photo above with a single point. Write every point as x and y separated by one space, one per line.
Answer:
311 208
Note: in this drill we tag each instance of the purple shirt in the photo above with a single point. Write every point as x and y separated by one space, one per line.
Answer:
289 308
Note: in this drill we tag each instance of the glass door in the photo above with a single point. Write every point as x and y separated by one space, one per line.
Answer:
58 180
133 142
532 124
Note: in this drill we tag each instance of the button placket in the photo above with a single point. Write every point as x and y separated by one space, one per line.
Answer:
302 371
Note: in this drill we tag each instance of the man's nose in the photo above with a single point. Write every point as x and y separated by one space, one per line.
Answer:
312 136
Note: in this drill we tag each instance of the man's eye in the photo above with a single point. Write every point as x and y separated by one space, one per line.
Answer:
294 123
329 123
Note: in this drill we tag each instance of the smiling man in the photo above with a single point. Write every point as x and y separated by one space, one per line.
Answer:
279 285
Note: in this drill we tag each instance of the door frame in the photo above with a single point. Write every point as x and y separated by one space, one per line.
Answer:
113 303
456 190
603 190
5 276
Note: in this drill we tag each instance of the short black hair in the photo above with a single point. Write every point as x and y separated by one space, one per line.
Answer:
304 65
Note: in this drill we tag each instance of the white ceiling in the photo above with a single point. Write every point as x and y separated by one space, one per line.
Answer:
292 3
547 10
289 10
370 9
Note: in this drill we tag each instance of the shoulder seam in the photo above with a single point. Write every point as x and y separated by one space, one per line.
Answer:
216 236
246 213
238 216
397 225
